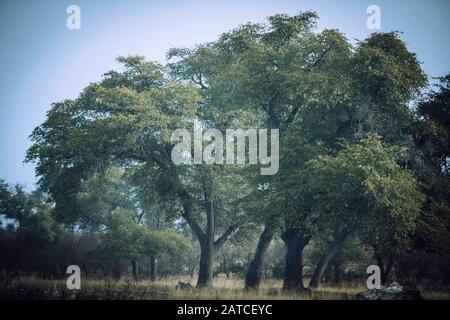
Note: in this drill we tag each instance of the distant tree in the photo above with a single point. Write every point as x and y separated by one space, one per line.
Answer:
125 239
431 241
100 195
33 236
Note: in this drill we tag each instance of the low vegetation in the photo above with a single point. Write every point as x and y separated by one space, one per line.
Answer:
31 288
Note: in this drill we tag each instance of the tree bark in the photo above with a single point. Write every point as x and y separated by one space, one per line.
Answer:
117 272
135 267
255 270
225 267
207 247
153 270
340 236
337 272
293 271
321 266
204 238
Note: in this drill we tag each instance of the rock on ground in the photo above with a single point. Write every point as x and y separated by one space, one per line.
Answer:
393 291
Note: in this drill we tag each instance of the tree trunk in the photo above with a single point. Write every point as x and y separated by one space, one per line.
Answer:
117 273
135 267
385 270
293 271
225 267
192 267
321 266
386 273
255 270
337 272
86 270
153 271
206 238
340 236
205 272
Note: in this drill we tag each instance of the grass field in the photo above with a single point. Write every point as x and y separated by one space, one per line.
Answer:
32 288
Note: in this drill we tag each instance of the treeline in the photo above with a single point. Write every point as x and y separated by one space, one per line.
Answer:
364 156
32 242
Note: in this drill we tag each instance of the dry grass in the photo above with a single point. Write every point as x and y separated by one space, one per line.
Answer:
31 288
270 289
435 295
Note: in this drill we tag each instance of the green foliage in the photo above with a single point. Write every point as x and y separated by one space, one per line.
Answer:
31 241
109 124
342 110
100 195
432 138
365 189
125 239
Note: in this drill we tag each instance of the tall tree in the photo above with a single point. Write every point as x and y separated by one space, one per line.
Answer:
267 73
126 120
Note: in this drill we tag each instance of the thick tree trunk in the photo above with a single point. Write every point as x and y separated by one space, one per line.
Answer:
206 266
340 236
135 267
255 270
206 238
205 272
293 271
153 271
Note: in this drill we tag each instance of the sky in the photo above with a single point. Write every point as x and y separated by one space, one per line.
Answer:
42 61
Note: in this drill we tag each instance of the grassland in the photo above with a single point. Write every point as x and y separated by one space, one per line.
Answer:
32 288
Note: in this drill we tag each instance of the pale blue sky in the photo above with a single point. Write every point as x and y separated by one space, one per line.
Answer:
41 61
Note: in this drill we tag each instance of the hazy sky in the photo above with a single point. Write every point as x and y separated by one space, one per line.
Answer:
41 61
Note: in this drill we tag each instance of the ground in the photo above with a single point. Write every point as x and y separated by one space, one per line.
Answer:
110 289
